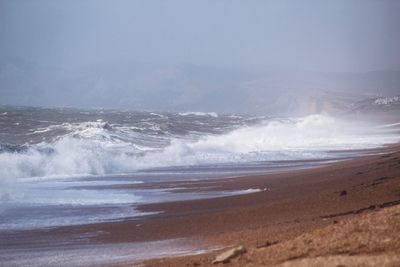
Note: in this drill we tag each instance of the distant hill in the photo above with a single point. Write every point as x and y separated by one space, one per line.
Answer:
142 86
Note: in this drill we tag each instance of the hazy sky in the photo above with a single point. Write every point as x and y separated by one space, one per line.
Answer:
346 35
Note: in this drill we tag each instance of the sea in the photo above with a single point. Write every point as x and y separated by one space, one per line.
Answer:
64 168
56 163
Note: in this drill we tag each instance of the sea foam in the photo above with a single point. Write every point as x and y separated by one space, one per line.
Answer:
92 149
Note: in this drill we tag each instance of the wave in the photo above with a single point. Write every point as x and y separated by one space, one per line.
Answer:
210 114
97 148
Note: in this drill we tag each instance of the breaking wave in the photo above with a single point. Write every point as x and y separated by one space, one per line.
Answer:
197 113
98 148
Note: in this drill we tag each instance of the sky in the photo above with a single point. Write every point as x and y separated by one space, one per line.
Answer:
342 35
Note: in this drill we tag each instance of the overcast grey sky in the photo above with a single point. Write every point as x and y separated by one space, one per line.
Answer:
348 35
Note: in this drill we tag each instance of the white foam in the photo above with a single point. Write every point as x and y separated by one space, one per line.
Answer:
210 114
390 125
42 218
247 191
101 255
309 133
94 151
50 193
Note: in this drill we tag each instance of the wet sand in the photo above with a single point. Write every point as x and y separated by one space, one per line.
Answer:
268 223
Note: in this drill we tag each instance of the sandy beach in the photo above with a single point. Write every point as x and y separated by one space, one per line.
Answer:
344 213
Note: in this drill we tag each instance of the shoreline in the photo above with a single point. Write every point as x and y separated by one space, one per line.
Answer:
293 203
298 202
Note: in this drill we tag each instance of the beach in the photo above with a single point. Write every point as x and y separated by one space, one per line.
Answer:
271 223
342 213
